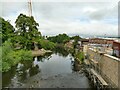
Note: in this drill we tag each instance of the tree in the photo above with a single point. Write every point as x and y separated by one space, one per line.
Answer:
46 44
6 30
27 27
61 38
11 57
76 39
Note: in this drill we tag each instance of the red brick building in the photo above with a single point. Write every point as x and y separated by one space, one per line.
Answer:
108 43
116 49
100 41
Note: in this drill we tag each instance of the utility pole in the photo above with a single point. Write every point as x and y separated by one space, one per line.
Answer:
30 14
30 8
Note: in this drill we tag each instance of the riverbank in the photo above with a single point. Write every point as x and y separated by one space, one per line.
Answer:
40 52
11 57
54 71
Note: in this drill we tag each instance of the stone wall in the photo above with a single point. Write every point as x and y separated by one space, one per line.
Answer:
108 66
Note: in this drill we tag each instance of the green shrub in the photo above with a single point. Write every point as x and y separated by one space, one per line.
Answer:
61 38
25 55
11 57
46 44
0 58
6 48
80 56
5 66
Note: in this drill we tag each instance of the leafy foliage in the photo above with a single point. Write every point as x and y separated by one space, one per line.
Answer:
61 50
25 35
6 30
76 39
11 57
27 30
0 58
61 38
25 55
80 56
46 44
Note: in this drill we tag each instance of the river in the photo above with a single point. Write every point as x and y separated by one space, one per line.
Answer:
56 70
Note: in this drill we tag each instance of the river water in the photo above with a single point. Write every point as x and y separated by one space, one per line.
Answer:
56 70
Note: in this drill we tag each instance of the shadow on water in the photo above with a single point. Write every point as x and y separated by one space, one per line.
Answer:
47 56
19 73
58 62
22 71
76 66
61 51
6 77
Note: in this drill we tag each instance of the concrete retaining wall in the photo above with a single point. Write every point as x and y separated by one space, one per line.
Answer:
108 67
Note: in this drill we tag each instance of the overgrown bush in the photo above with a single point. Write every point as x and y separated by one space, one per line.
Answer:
46 44
11 57
61 38
0 58
25 55
80 56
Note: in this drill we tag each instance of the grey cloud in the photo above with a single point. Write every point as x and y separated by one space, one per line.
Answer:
58 17
104 13
67 10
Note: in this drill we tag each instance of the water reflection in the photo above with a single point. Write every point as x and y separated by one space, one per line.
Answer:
61 61
76 65
43 58
19 73
34 70
6 77
61 51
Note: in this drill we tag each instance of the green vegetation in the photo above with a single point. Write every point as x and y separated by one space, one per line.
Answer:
80 56
27 31
75 38
11 57
42 43
0 58
61 50
61 38
6 30
17 43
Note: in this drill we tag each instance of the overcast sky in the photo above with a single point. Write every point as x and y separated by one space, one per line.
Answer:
73 17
